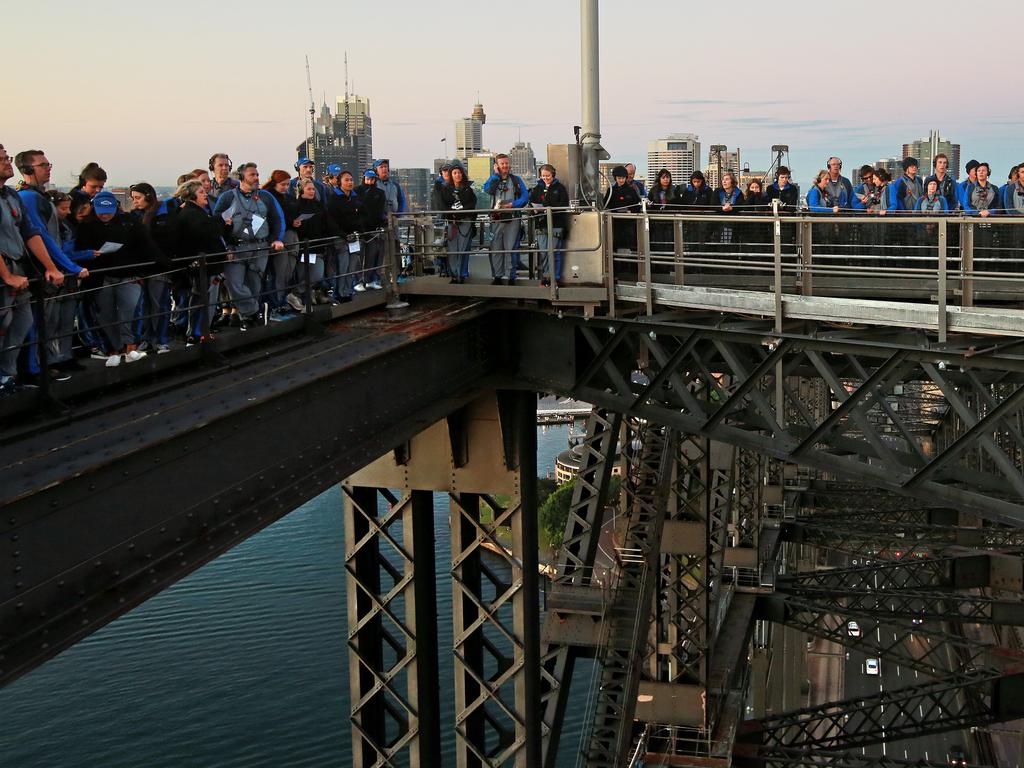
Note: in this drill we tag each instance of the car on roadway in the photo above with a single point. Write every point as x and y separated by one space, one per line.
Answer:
957 755
917 621
853 629
871 666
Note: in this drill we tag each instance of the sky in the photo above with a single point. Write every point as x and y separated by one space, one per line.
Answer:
151 90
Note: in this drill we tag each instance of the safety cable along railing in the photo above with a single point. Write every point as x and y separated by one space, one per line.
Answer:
193 273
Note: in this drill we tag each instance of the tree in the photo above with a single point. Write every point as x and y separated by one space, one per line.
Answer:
554 513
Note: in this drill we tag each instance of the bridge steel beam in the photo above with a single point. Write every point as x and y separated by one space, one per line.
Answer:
913 711
575 573
606 362
484 458
102 513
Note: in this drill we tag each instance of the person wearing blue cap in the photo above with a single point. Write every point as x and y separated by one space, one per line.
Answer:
333 179
396 201
306 169
375 207
126 252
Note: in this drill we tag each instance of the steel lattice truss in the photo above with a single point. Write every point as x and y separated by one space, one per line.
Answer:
487 614
891 715
750 471
379 557
687 587
836 397
575 566
649 451
888 541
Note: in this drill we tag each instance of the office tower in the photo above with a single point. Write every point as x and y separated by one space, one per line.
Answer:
418 185
924 149
678 152
730 162
469 134
523 161
344 138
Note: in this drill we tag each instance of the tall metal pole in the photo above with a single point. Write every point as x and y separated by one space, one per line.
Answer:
590 84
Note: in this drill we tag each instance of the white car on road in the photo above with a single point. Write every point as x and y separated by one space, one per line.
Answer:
853 629
871 666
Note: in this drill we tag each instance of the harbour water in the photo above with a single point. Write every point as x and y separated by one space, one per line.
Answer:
243 663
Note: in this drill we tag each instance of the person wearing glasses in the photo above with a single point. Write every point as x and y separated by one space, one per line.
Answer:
19 240
839 188
60 307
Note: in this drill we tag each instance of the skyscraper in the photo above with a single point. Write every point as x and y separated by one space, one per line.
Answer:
469 133
523 161
925 149
469 139
678 152
344 138
418 185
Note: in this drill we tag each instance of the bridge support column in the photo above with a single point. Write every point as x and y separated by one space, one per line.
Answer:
484 457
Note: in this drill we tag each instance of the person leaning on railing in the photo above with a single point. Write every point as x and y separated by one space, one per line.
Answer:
18 240
981 198
754 201
200 236
551 193
127 252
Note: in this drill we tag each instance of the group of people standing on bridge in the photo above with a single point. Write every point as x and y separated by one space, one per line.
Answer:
830 193
224 250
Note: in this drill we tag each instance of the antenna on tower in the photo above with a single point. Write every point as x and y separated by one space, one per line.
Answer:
312 109
348 128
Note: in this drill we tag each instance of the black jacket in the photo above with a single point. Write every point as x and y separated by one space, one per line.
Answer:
196 232
696 199
662 199
622 199
789 198
458 199
347 213
375 206
555 196
754 203
318 227
138 255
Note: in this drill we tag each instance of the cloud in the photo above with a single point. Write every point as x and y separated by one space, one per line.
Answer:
727 102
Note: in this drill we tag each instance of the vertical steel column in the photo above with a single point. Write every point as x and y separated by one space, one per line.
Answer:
392 627
366 660
497 608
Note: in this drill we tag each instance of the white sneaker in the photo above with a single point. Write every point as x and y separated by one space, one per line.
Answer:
359 287
113 361
162 348
375 285
133 356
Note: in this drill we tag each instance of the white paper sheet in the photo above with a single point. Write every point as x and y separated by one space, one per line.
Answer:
110 247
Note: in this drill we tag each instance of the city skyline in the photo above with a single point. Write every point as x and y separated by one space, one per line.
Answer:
127 112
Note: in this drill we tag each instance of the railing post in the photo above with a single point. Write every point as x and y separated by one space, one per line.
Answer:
393 261
605 223
553 287
942 282
645 243
967 261
678 251
806 259
46 402
777 238
310 325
